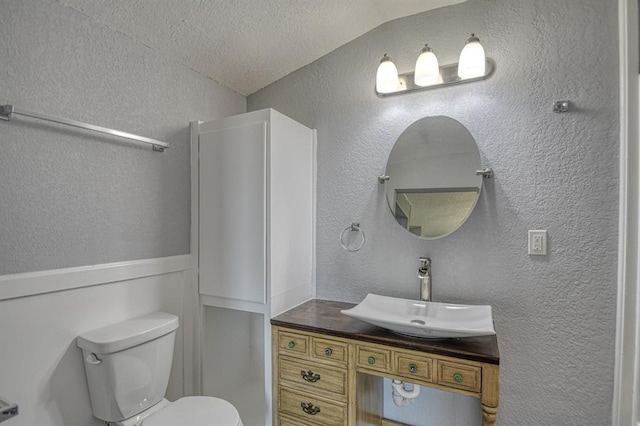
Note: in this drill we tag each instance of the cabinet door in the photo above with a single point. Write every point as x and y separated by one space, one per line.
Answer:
232 212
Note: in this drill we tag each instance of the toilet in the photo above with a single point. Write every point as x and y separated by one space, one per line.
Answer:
128 366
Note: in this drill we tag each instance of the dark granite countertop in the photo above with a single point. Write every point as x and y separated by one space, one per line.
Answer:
323 316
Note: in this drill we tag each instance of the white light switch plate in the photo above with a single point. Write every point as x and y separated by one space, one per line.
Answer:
538 242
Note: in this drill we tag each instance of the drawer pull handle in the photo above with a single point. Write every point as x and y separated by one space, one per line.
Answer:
413 368
328 352
458 378
310 376
371 360
309 408
292 344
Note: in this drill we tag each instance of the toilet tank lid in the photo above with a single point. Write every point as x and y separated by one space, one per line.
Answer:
126 334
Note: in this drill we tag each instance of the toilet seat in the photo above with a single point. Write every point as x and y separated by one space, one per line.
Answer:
196 410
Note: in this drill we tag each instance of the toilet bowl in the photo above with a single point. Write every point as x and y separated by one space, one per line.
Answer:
128 366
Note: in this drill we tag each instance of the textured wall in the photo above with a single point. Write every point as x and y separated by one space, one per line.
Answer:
555 315
70 197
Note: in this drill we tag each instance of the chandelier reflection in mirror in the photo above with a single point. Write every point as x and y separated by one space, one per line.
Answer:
473 66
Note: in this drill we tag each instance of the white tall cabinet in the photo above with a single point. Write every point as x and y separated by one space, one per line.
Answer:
253 239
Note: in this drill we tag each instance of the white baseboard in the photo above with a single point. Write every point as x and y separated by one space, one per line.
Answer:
40 282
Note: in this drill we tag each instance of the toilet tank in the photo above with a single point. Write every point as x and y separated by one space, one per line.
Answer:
128 364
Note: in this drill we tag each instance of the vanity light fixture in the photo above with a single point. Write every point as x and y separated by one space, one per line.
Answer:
428 74
387 76
472 59
427 68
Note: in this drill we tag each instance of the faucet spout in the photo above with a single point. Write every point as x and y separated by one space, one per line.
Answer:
424 275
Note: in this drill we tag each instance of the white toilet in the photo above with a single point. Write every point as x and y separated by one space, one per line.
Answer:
128 366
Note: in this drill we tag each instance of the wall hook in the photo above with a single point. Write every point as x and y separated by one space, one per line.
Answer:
561 106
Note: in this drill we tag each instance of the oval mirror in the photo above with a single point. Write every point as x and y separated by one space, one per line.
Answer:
432 184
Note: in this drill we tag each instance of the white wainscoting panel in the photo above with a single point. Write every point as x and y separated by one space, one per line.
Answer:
39 282
41 367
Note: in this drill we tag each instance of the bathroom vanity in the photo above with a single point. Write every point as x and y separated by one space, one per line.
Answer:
328 368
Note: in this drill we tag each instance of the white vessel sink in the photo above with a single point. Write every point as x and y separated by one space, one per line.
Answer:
430 320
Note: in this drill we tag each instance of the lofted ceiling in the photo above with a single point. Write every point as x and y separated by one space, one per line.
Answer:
247 44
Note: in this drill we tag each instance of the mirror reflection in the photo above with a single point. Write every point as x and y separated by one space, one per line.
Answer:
433 186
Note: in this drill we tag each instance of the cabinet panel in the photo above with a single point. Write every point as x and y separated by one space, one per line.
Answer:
412 366
285 420
314 378
373 358
329 350
291 197
293 343
460 376
312 408
232 246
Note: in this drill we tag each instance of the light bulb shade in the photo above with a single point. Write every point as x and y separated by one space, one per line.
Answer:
387 76
472 59
427 70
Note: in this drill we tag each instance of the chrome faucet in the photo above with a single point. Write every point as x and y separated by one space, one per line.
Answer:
424 274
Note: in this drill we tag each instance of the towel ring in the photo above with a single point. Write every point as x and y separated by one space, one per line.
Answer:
354 227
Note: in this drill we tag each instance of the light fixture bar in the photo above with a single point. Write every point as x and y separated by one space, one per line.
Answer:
449 74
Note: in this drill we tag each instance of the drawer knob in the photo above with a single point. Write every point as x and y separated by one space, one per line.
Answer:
292 344
371 360
458 378
309 408
413 368
310 376
328 352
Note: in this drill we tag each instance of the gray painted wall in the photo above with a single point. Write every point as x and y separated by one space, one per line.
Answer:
70 197
555 315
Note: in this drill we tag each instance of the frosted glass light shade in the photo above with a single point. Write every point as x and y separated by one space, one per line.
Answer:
472 59
427 70
387 76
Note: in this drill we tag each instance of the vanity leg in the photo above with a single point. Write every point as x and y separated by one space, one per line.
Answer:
490 394
489 415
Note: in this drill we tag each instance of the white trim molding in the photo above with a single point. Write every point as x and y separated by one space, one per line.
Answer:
41 282
626 379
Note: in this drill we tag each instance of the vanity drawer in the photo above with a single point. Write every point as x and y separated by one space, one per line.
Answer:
311 408
459 376
292 343
416 366
284 420
329 350
314 378
373 358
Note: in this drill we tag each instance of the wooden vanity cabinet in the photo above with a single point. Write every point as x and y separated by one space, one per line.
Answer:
311 384
328 369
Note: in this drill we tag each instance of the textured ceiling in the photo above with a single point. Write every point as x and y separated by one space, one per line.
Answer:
247 44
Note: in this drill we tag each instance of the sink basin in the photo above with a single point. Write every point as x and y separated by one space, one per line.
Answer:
431 320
